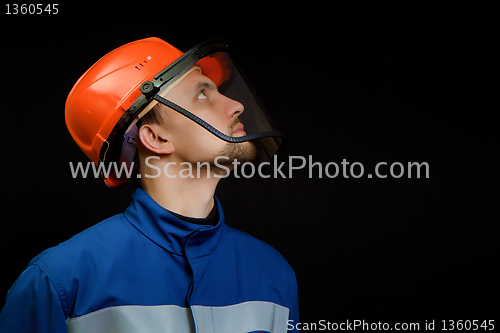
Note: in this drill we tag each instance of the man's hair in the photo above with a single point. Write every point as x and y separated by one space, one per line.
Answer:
152 117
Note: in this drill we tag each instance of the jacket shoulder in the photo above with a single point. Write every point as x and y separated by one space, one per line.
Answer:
72 249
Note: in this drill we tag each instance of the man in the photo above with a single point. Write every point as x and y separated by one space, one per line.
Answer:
176 123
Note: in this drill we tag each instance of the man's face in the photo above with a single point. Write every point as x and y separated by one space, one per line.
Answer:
199 95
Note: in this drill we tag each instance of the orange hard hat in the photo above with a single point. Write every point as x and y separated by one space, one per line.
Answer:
105 92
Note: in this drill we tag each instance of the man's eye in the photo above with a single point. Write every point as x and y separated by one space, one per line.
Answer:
202 95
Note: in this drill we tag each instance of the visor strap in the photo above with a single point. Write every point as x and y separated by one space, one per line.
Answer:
212 129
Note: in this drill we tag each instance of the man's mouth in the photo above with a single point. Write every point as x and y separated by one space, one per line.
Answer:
239 129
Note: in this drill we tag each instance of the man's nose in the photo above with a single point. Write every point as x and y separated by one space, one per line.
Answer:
233 109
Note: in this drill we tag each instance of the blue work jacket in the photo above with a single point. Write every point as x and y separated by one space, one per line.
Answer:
147 271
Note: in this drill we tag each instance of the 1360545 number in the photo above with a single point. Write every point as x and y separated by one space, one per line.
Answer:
31 9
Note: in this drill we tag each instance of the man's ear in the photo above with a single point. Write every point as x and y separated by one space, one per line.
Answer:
154 139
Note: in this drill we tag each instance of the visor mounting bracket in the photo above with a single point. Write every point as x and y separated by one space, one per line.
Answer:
148 89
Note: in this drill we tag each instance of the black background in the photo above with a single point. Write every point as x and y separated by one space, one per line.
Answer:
380 84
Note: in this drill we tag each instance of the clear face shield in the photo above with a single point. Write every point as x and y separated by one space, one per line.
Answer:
213 60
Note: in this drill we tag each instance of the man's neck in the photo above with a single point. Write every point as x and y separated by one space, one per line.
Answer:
192 197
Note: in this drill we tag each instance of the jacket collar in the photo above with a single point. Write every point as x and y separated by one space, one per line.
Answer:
170 233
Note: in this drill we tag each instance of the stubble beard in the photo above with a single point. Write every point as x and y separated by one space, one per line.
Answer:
241 152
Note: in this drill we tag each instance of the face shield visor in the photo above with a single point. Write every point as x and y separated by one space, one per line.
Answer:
213 60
